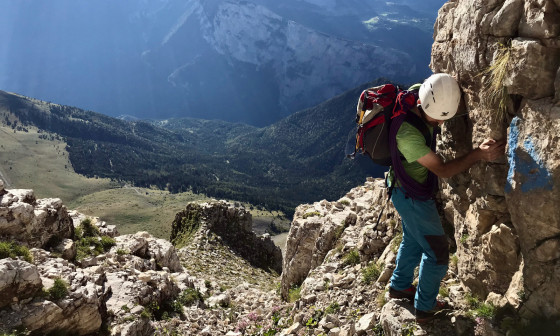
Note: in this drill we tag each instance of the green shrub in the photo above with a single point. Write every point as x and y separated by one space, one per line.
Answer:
177 307
190 296
313 321
189 226
122 252
352 258
93 246
472 301
332 308
339 231
14 250
145 314
345 202
107 242
371 272
78 232
481 309
454 260
311 214
59 290
486 310
88 228
378 330
408 329
294 293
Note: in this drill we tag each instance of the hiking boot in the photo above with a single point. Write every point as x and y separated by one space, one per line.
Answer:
408 293
426 316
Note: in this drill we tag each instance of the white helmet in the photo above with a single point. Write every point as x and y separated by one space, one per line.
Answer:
439 96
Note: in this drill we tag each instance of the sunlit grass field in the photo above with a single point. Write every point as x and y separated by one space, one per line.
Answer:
28 162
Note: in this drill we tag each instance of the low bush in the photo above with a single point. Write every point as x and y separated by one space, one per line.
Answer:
59 290
371 272
189 297
294 294
14 250
311 214
352 258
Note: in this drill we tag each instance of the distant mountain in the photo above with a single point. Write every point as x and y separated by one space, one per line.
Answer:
296 160
243 61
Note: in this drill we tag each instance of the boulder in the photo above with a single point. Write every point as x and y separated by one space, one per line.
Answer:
19 280
165 254
67 249
220 300
506 20
32 222
531 69
365 323
395 316
533 185
540 19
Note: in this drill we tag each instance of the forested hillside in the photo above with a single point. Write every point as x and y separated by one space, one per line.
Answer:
297 160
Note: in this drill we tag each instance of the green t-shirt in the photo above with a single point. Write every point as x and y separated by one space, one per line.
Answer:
412 145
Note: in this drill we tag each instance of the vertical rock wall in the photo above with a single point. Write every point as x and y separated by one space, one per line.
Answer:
506 214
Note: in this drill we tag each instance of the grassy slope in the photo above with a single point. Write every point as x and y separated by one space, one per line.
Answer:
28 162
141 209
136 209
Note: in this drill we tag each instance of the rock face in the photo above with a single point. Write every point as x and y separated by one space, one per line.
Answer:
139 285
231 224
505 213
32 222
19 280
350 222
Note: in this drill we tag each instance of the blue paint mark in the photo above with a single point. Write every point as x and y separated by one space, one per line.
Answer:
512 144
526 164
535 173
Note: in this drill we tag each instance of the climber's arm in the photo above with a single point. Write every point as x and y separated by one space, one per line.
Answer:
489 150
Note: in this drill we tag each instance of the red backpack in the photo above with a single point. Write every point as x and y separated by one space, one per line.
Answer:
376 109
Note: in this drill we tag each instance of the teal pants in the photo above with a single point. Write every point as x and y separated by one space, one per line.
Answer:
424 242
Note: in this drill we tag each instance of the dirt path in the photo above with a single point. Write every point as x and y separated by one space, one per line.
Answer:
126 186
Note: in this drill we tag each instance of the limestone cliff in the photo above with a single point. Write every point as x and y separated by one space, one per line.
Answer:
506 57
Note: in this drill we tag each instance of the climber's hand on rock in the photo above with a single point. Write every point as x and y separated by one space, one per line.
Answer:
491 149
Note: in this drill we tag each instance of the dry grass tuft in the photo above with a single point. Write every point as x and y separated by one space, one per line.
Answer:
495 93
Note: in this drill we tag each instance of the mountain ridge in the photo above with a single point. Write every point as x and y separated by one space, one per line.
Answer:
251 61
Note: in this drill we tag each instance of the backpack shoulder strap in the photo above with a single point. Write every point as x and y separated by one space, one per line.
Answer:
413 119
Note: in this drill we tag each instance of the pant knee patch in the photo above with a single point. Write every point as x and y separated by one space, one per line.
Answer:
440 247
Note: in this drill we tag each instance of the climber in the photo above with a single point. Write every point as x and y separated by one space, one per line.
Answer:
424 241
